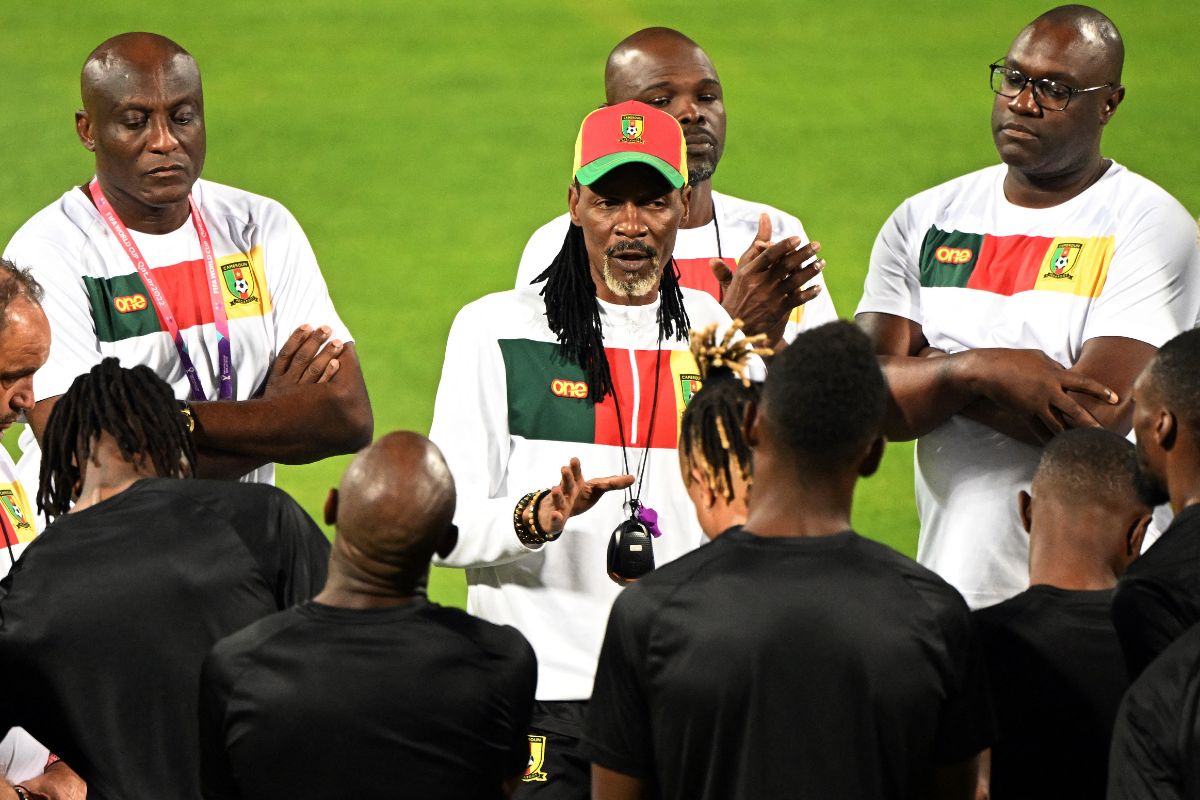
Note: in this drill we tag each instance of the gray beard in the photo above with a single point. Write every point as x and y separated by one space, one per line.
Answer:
636 287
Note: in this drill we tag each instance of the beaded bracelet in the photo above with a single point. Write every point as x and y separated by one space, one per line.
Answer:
528 536
548 536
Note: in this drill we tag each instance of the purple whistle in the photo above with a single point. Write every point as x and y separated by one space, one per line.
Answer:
649 518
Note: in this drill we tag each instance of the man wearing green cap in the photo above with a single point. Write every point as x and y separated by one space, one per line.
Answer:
587 379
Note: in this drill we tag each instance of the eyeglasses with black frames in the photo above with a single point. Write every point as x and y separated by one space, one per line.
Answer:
1049 95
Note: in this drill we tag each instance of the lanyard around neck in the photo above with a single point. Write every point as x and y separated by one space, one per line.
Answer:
220 320
633 495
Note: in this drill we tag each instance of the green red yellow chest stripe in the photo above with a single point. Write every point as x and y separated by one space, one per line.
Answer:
122 308
547 395
1006 265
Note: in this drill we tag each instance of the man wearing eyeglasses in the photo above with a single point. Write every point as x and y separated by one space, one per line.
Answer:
1023 299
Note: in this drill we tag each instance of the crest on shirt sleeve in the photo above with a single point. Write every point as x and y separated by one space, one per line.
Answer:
537 759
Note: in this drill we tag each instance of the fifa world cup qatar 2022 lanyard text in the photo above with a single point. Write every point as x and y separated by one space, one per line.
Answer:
161 304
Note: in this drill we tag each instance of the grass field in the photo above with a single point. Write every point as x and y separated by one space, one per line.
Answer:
421 143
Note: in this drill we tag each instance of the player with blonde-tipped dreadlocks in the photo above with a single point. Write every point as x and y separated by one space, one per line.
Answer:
713 453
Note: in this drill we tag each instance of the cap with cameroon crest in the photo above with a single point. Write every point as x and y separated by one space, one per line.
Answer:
628 133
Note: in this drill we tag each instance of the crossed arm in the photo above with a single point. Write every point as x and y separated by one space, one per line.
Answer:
1021 393
314 405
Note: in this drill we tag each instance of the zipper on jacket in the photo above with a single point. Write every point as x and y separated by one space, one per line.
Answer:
637 397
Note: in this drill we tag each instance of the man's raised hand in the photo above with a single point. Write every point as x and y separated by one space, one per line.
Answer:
762 240
769 282
574 495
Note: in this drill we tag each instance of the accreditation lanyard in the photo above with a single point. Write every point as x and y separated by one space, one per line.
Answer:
224 359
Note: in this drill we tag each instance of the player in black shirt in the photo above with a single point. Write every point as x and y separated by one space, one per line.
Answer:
1055 664
1156 743
371 691
107 617
792 657
1159 596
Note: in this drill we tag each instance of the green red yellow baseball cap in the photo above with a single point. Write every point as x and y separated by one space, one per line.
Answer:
629 133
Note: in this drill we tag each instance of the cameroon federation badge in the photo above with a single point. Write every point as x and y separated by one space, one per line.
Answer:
13 509
1062 261
239 280
537 759
632 126
689 384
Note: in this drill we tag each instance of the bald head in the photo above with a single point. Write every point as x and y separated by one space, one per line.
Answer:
1091 36
394 505
109 68
143 118
646 45
665 69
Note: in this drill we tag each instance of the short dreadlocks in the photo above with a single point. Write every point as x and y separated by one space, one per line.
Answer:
710 432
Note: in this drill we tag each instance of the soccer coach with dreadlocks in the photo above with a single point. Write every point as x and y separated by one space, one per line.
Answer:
588 378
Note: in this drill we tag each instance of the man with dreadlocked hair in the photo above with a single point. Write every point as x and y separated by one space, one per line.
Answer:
714 455
109 614
663 67
592 374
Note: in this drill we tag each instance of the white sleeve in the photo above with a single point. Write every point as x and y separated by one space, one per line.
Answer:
893 283
74 345
1152 292
470 427
21 756
298 292
541 249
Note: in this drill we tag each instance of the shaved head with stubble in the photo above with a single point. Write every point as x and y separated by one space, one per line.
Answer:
143 118
665 69
117 59
393 509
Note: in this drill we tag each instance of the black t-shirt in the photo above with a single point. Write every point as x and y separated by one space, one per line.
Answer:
413 701
1057 677
1158 597
1156 742
109 614
767 667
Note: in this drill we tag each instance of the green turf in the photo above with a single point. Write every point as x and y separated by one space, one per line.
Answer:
420 143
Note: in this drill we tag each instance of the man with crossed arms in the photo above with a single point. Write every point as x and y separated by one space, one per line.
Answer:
215 289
